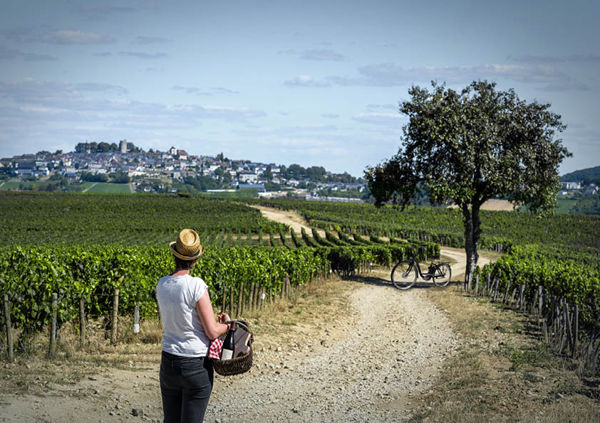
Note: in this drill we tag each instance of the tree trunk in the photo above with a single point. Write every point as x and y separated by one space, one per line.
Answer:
472 234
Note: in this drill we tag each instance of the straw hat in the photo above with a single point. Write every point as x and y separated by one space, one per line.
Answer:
187 246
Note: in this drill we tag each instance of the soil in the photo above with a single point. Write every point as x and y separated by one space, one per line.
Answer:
497 205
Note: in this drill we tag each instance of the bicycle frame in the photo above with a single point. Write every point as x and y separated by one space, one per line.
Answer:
425 276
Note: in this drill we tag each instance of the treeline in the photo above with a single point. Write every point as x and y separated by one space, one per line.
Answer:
315 174
116 178
586 176
104 147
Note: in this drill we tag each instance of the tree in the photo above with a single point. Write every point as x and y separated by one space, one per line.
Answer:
268 174
470 146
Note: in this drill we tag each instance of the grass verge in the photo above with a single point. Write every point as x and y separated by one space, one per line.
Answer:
503 372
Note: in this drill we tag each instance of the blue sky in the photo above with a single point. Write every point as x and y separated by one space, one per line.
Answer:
308 82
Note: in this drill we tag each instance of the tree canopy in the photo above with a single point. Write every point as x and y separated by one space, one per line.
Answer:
470 146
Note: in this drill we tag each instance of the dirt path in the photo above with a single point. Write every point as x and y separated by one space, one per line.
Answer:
288 217
367 368
90 187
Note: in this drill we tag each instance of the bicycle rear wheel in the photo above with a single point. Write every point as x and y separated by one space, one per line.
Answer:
442 274
404 275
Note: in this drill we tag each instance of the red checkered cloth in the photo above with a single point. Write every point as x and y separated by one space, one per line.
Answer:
215 349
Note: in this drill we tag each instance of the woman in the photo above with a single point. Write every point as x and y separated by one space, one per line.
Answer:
186 375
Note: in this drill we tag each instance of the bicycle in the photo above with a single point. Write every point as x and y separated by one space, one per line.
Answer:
405 273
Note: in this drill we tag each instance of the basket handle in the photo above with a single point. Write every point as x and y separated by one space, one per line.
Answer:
240 323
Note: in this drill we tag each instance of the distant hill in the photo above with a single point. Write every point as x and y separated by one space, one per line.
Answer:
587 176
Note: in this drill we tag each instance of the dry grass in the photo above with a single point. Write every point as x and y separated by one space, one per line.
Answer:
306 314
285 322
502 371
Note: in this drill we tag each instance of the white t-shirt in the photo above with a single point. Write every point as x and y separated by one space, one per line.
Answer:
183 334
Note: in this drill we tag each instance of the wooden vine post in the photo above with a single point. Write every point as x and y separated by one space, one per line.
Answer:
53 327
249 299
115 315
223 298
575 330
82 322
240 306
9 337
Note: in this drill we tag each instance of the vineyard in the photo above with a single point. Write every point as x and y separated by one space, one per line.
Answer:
87 248
95 219
561 253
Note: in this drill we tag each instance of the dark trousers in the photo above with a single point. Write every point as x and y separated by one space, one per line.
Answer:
185 385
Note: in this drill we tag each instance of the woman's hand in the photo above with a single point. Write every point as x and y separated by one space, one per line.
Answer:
206 314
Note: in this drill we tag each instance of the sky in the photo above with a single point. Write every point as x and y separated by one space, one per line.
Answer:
316 83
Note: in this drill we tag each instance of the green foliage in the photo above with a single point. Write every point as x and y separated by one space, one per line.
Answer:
298 242
50 219
587 204
310 241
445 226
575 278
472 146
29 275
320 240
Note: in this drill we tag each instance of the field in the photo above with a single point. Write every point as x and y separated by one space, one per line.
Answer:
564 205
8 186
419 355
119 220
106 188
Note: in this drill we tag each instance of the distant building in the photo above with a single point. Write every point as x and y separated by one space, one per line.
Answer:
249 178
123 146
571 185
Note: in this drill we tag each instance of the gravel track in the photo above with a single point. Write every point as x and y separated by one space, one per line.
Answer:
372 362
389 349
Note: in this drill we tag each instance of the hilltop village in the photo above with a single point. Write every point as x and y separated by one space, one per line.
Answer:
175 171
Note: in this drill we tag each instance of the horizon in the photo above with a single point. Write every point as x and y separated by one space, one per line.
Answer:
312 83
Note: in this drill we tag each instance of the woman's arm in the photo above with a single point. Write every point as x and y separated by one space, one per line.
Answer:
212 329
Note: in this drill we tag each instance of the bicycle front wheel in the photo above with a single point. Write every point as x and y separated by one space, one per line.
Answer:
404 275
442 275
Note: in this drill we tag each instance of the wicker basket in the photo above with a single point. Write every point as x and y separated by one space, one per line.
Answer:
240 364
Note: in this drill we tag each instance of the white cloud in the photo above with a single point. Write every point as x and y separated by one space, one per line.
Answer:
10 54
142 39
67 36
391 74
204 92
545 60
143 55
391 119
306 81
42 103
321 55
